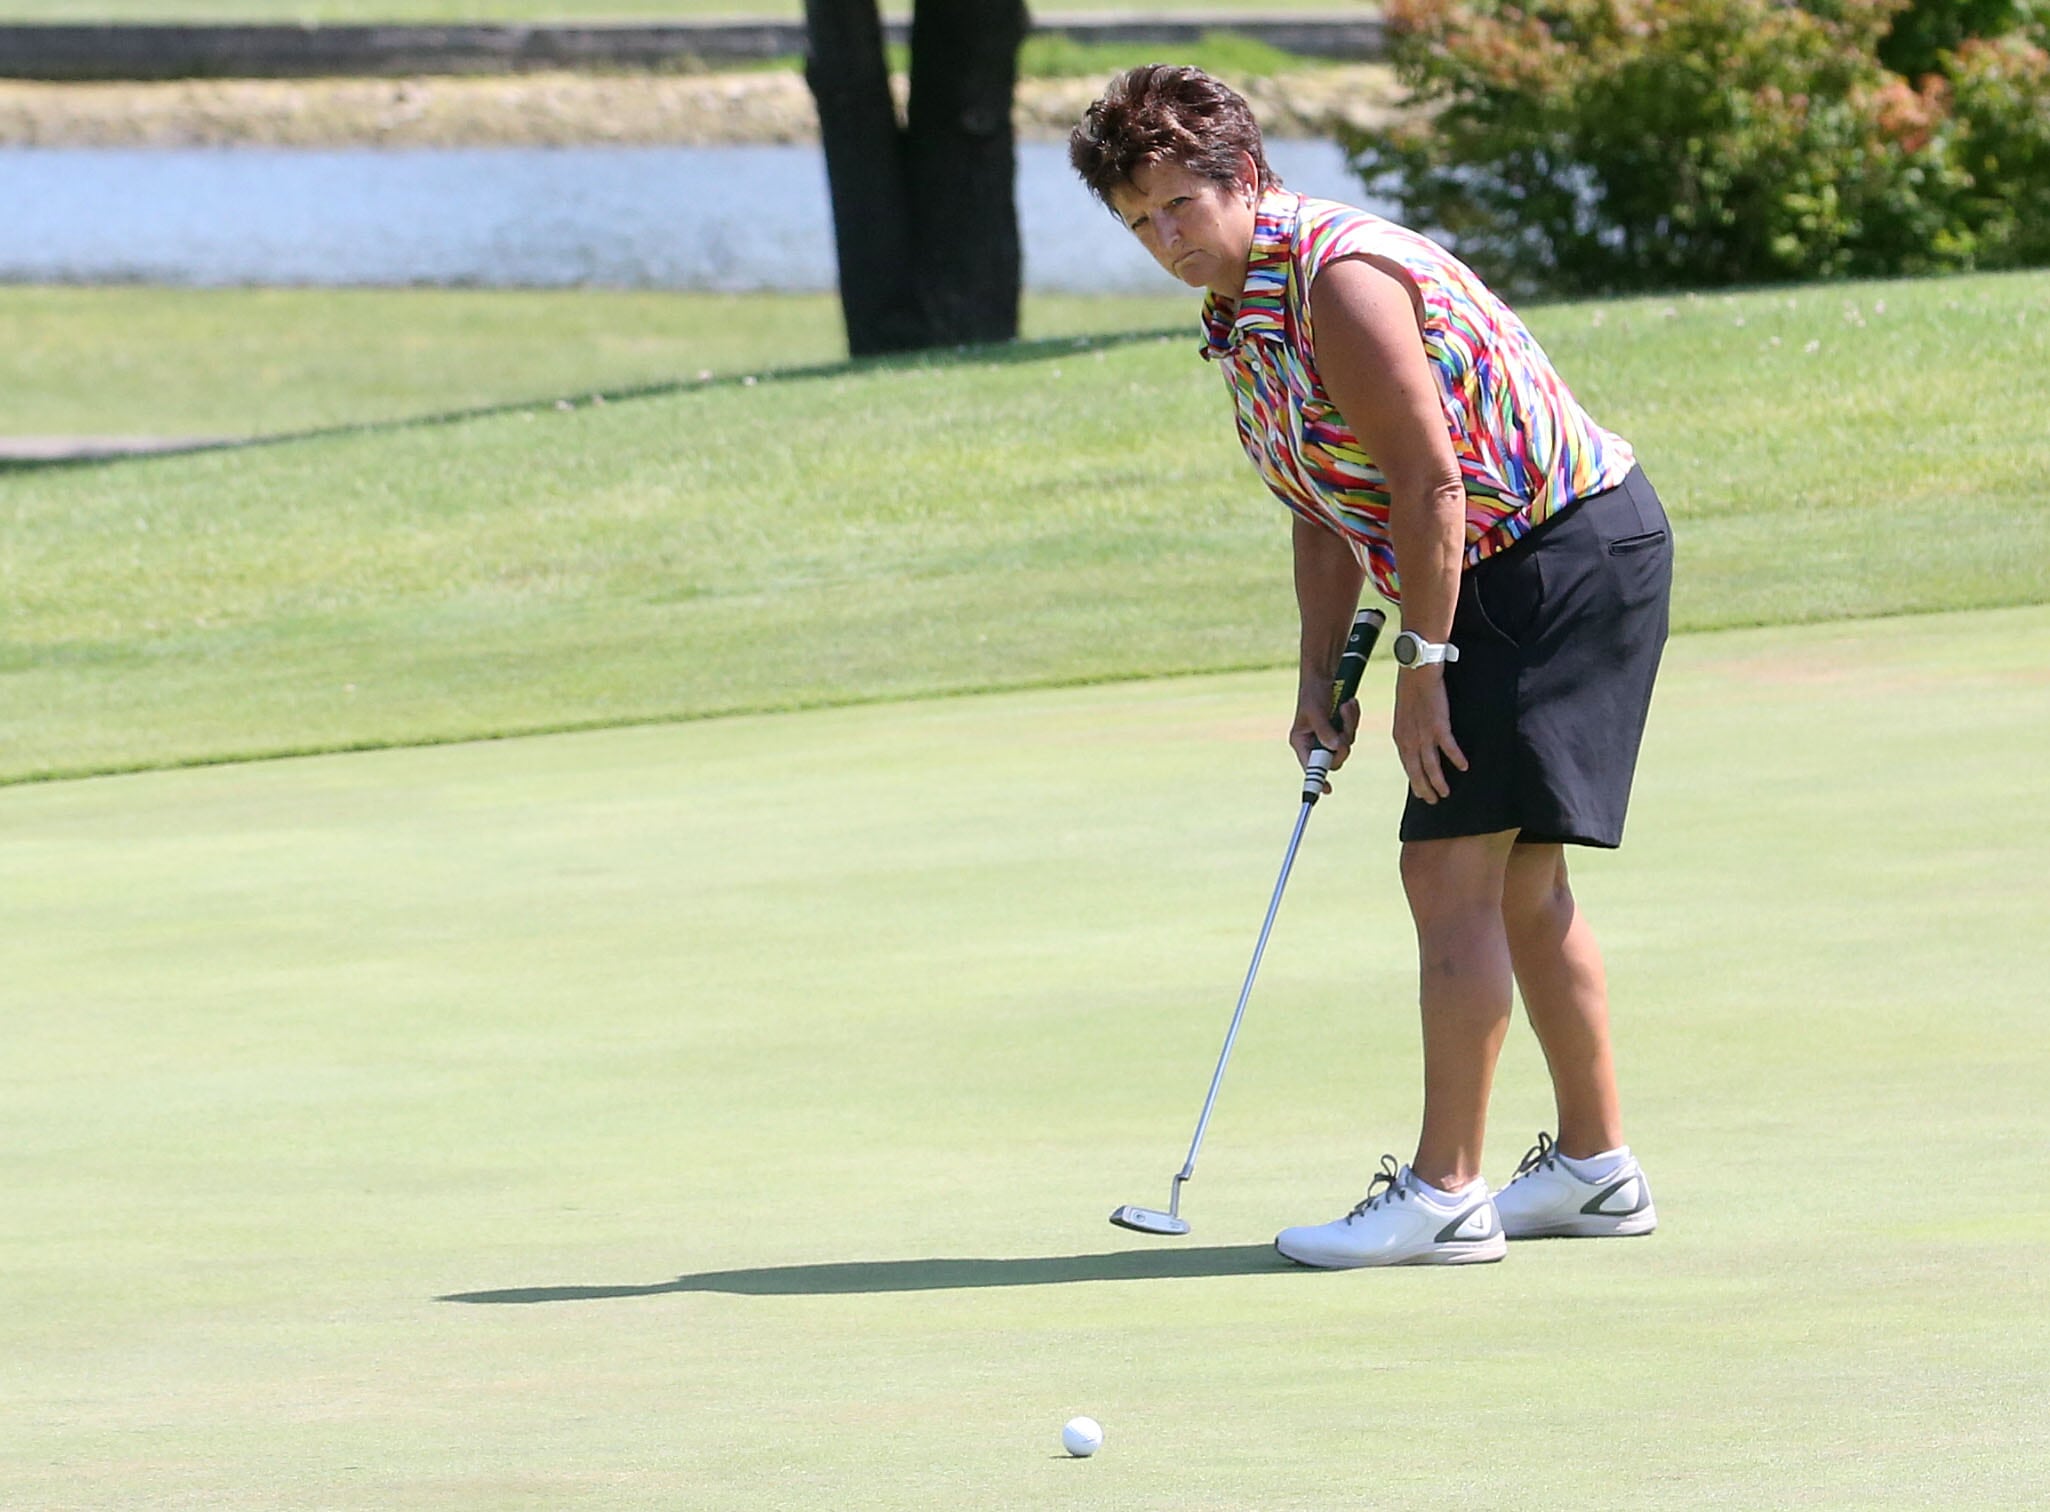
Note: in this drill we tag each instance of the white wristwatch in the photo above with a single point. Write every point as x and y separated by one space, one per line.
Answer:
1412 650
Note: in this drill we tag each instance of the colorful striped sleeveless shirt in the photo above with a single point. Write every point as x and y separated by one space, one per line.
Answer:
1526 449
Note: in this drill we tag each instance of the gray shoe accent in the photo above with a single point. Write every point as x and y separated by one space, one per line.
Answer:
1485 1230
1593 1206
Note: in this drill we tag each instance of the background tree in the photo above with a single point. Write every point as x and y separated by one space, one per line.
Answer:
924 215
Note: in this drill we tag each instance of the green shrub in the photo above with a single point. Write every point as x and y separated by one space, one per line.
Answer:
2000 110
1599 145
1925 30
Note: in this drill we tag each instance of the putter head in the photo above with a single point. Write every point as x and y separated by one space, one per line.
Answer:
1148 1220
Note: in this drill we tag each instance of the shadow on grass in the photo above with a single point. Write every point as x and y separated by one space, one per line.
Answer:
997 354
856 1276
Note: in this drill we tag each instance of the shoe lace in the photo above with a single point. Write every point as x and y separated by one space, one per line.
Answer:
1386 1186
1541 1156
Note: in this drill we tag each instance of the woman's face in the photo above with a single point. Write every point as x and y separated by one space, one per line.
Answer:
1198 229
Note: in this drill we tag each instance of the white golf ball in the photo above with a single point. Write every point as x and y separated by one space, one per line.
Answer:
1081 1437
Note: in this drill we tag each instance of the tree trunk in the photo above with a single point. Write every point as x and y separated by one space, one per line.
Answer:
962 165
849 76
924 215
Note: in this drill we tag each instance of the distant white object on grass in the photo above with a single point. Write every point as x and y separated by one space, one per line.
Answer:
1081 1437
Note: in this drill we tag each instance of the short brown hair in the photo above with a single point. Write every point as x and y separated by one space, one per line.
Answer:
1162 114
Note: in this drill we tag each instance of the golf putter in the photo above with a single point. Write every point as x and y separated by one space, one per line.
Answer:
1366 626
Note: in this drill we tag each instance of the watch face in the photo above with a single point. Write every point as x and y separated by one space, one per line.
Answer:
1405 648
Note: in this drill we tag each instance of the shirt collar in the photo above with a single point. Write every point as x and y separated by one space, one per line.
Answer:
1263 303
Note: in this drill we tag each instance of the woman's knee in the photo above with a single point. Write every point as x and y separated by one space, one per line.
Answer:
1535 889
1449 882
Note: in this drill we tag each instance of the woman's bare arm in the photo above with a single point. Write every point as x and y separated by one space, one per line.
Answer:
1370 355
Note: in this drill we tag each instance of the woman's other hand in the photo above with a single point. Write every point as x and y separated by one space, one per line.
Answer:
1423 731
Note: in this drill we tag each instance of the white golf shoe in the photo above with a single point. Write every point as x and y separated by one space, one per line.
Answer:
1399 1224
1548 1199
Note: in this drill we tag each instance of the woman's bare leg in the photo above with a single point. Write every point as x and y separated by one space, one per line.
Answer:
1558 966
1455 890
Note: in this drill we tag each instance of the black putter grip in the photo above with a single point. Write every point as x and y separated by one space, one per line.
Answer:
1366 629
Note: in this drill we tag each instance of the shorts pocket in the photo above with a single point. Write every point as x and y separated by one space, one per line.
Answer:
1627 544
1508 593
1640 571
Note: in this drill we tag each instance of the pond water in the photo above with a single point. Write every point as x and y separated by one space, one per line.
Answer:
716 218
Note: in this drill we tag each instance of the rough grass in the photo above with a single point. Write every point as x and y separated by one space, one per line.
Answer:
1228 55
1061 512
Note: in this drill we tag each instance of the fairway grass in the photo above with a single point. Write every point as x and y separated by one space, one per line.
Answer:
1055 512
724 1116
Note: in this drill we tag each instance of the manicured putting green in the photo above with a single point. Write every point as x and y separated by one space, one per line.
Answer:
726 1115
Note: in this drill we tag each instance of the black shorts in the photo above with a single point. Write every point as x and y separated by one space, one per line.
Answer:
1559 639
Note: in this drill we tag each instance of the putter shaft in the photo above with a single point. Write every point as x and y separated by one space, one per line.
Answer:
1366 627
1245 994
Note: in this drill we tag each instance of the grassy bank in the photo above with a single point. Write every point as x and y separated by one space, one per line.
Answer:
725 1116
769 104
1054 513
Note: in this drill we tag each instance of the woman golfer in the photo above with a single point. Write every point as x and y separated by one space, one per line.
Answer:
1422 438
